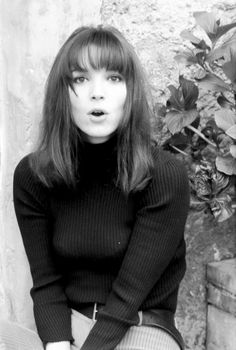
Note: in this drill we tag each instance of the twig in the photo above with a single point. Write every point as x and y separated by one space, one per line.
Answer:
190 127
179 150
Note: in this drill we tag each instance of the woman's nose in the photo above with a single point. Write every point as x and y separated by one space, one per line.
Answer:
97 91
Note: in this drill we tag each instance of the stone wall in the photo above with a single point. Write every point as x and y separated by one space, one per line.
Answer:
30 34
221 297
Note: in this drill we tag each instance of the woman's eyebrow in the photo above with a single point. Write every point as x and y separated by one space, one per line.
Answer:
82 70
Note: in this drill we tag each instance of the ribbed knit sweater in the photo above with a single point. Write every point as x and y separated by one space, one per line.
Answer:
93 244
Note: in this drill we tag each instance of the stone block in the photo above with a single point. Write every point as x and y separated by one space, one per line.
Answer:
221 330
223 274
221 297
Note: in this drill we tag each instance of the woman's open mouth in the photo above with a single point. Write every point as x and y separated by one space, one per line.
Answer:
97 112
97 115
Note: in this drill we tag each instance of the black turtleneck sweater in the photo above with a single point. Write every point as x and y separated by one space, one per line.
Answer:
94 244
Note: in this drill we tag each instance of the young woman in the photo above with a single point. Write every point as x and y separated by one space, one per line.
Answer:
101 209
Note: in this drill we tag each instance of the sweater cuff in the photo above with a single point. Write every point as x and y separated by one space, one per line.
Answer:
54 323
107 332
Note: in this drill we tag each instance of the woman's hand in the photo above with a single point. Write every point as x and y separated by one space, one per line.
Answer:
61 345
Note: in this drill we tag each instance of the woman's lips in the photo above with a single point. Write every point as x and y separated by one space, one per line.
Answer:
97 113
97 118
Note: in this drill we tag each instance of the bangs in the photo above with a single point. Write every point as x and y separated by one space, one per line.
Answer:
98 50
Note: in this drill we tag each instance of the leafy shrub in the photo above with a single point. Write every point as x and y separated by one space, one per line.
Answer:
208 146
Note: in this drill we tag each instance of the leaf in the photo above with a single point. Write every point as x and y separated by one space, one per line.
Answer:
201 57
219 182
224 29
189 91
211 131
211 26
230 44
200 74
176 99
229 68
208 131
177 140
202 45
160 109
225 119
213 82
224 142
195 124
199 43
216 54
202 186
186 57
226 164
221 207
177 120
207 21
186 34
224 102
223 51
232 132
233 150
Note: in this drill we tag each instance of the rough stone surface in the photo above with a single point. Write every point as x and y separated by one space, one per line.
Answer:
154 26
223 275
222 299
221 328
207 241
30 34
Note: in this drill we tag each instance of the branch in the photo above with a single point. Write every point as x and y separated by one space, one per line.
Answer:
196 131
179 150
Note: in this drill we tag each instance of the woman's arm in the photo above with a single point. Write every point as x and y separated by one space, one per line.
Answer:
156 236
52 316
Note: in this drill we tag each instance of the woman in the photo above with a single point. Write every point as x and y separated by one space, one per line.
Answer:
101 210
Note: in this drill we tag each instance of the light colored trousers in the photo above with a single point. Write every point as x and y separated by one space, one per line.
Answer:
16 337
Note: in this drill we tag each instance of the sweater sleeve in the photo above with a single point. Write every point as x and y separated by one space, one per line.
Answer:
52 316
157 232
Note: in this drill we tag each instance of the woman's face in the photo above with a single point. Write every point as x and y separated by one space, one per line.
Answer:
97 103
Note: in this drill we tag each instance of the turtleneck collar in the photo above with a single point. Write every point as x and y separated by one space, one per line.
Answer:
99 161
103 149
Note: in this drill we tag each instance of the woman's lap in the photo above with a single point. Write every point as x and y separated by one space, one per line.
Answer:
137 337
147 338
15 337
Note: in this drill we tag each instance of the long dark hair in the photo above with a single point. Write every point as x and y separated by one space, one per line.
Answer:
56 158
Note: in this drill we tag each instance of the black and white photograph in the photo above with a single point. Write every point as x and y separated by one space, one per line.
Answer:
118 175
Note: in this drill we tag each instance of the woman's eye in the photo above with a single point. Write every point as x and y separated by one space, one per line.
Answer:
115 78
79 80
